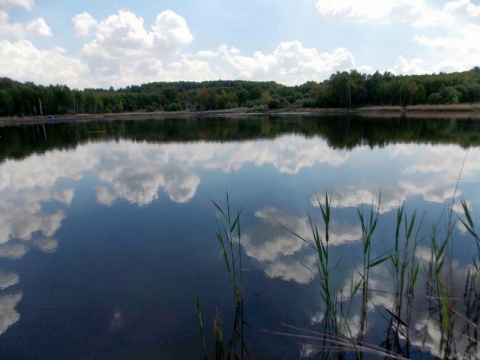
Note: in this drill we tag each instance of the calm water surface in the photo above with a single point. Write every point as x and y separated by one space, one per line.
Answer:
107 230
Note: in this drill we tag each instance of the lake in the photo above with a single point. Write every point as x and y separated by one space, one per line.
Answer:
108 233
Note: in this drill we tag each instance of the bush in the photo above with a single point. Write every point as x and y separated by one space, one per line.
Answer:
172 107
309 104
435 98
274 104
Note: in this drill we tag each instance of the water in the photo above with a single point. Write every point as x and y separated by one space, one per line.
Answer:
107 229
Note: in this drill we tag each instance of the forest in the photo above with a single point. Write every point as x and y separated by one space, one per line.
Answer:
347 90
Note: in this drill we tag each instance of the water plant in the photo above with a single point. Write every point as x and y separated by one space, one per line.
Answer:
404 269
229 234
455 318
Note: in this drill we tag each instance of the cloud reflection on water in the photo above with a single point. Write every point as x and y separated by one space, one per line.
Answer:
283 255
34 206
8 300
24 218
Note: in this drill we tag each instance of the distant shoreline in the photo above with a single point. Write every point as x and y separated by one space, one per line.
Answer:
460 111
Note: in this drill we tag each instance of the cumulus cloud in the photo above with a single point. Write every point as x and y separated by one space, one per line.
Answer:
121 40
8 279
459 46
288 154
406 67
290 63
124 50
13 251
431 173
22 61
360 194
15 30
8 314
105 196
64 196
284 255
444 163
139 179
194 70
460 49
23 217
39 27
152 168
47 245
207 53
25 187
462 7
7 4
43 170
83 23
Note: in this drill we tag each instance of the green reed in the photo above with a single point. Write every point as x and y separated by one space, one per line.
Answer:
368 222
457 318
471 294
328 290
229 236
404 271
200 322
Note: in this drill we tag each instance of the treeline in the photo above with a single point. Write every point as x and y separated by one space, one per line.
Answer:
342 90
340 132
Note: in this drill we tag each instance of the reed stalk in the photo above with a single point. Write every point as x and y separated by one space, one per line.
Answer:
229 235
368 222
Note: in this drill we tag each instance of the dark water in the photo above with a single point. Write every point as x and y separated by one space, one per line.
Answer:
107 229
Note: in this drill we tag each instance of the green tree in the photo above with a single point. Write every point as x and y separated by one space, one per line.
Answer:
450 95
6 103
266 97
473 92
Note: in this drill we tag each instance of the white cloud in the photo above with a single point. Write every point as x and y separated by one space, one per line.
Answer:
39 27
284 255
105 196
64 196
290 63
462 7
83 23
193 70
124 51
47 245
406 67
288 154
43 170
22 61
460 50
8 314
7 4
371 10
13 251
207 53
23 217
121 40
136 172
7 29
8 279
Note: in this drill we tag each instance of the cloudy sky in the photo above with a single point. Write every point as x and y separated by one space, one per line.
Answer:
117 43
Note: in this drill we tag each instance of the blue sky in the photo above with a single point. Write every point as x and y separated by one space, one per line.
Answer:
106 43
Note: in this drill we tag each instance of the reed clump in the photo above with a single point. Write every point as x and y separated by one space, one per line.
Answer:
229 236
421 287
456 318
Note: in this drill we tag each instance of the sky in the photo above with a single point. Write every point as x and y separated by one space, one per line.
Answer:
103 43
